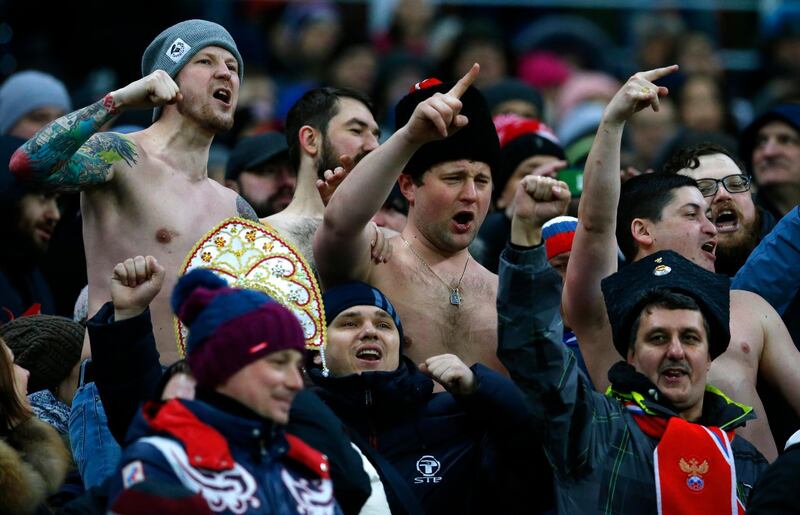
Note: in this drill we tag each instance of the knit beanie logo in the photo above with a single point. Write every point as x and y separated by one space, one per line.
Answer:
177 50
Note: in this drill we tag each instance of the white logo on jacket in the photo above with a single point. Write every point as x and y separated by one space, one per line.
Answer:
313 497
428 466
233 489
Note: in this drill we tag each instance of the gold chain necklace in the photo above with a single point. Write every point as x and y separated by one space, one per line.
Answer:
455 293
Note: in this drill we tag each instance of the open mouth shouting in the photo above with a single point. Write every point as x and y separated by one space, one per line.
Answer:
369 355
726 220
463 221
709 249
223 95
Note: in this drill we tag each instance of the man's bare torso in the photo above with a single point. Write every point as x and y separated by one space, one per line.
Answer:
150 209
432 323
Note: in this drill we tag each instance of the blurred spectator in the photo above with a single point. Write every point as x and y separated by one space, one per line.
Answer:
656 37
29 217
355 67
34 459
409 27
527 147
397 72
306 37
512 96
647 133
50 348
482 43
577 40
259 170
30 100
703 104
546 72
584 87
697 54
771 146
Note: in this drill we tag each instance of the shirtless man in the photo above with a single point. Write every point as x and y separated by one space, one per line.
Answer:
148 192
759 343
325 128
445 151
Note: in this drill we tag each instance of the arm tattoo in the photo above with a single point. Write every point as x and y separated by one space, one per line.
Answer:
245 210
69 153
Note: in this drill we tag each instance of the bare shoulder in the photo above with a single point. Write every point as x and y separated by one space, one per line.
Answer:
748 304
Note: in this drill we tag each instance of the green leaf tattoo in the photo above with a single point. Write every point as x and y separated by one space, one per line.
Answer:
69 153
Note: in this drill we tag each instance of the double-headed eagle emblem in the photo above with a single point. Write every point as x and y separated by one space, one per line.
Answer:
695 480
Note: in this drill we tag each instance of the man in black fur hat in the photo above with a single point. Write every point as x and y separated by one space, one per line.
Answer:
443 152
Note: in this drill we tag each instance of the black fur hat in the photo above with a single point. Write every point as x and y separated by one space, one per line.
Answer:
667 270
477 141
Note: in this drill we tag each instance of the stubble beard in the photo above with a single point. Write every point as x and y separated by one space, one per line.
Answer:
205 116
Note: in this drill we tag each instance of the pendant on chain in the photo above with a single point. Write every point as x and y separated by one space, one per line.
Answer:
455 297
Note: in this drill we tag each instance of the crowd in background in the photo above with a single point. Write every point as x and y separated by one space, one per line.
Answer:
552 82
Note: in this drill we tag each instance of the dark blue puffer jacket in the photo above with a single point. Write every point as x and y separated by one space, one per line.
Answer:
457 454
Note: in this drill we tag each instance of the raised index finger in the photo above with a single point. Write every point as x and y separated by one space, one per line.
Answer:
465 82
657 73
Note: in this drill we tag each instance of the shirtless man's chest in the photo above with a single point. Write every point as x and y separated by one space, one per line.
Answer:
434 325
149 211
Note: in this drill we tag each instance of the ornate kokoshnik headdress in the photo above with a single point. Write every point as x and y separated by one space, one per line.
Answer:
251 255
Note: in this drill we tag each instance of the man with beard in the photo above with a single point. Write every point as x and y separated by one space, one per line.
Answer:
148 191
325 129
29 216
442 155
665 212
259 170
771 144
740 223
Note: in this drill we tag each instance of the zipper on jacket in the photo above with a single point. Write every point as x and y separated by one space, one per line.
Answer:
373 435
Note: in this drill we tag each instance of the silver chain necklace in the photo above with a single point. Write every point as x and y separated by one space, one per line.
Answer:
455 293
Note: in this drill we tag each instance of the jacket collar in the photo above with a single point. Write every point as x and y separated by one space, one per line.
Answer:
404 386
628 385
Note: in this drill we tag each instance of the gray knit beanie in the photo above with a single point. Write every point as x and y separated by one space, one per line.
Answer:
173 48
26 91
48 346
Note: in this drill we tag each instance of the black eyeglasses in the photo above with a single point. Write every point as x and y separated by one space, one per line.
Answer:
736 183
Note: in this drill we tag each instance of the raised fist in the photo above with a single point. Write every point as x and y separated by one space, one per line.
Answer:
135 283
154 90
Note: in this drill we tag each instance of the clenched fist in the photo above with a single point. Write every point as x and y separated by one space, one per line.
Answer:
135 283
154 90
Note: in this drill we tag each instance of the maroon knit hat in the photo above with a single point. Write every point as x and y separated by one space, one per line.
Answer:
230 328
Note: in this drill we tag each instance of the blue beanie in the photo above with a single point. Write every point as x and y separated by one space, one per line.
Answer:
173 48
357 293
26 91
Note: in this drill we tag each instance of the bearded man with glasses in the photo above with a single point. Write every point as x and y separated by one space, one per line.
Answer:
740 223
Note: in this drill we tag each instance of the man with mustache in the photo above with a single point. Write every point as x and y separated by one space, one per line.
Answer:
665 212
660 440
325 129
148 191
